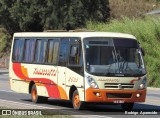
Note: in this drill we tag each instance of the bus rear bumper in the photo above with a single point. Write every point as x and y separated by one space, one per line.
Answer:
99 95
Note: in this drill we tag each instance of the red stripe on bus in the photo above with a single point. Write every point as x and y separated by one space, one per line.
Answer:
136 79
53 91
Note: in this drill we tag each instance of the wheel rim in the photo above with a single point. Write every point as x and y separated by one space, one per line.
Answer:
34 94
76 100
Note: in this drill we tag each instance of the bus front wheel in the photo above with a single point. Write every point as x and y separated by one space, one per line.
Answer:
35 97
77 104
127 106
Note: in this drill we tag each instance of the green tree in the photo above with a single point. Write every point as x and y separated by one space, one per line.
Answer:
39 15
6 20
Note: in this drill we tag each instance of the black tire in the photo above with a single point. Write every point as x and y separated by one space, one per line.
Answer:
44 99
127 106
77 104
34 96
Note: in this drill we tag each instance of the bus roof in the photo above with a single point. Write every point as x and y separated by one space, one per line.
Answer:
73 34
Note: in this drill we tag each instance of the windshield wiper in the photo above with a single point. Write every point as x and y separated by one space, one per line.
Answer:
123 66
108 70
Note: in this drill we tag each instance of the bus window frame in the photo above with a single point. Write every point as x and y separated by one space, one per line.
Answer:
80 51
25 39
40 49
55 39
67 53
18 61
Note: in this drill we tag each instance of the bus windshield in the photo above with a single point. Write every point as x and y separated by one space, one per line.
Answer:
113 57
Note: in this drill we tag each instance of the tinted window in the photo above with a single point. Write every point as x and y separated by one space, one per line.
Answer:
41 46
53 45
74 56
63 51
29 50
18 50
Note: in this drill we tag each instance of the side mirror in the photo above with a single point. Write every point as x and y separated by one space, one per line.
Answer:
143 53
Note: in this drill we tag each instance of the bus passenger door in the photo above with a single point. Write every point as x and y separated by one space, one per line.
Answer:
74 70
61 82
64 43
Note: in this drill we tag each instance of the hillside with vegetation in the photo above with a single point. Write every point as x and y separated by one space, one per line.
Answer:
126 16
132 8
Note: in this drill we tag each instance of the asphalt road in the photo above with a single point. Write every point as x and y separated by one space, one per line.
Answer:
11 99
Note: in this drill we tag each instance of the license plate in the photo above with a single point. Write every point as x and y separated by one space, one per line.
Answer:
118 101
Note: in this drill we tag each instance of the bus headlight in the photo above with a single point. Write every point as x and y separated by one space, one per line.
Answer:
92 83
142 85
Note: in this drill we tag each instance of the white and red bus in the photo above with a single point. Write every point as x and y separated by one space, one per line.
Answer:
83 67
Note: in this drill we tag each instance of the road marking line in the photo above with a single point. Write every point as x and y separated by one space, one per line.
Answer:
4 74
26 104
147 100
8 91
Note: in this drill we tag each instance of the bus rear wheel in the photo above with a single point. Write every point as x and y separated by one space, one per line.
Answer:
77 104
127 106
35 97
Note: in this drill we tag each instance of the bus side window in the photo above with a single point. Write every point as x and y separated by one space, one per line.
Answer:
41 47
74 56
18 50
53 46
63 54
29 50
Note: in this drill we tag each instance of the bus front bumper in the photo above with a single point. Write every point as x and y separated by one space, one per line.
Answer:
114 96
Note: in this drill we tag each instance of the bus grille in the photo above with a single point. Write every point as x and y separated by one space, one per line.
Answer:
118 95
118 86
